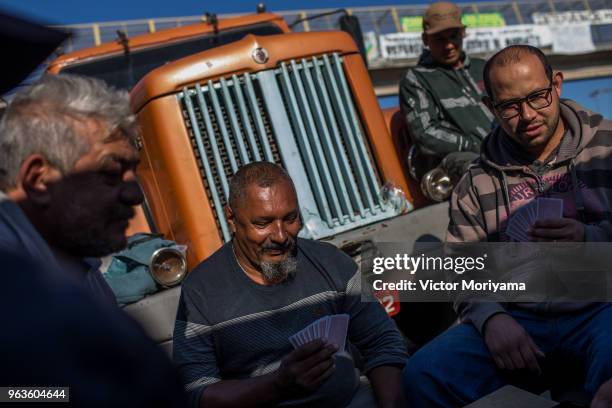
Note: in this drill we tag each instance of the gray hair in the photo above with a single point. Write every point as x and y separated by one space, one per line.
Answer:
42 118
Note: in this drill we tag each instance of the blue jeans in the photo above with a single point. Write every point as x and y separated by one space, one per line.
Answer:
456 368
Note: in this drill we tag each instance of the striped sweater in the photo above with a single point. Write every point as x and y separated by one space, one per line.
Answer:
229 327
503 180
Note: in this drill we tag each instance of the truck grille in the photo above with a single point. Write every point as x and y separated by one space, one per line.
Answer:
300 115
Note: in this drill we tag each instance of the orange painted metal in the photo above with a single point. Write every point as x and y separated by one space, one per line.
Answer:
138 223
402 142
170 175
164 37
171 180
235 58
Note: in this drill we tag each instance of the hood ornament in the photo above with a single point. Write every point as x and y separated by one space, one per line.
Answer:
260 55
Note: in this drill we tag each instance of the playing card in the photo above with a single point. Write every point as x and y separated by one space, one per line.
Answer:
549 208
510 229
326 323
517 227
338 329
521 222
310 332
306 335
293 341
518 234
302 337
333 328
533 212
319 328
521 219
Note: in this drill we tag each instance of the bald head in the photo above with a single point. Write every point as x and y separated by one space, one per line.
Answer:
260 174
512 55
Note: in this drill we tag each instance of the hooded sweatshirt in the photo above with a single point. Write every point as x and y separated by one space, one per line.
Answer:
504 179
443 106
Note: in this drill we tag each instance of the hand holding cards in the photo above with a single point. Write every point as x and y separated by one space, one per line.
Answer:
305 368
333 328
315 348
540 209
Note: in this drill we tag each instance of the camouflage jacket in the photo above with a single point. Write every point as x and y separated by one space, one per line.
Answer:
443 107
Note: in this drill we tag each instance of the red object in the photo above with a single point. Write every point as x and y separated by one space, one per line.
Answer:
390 301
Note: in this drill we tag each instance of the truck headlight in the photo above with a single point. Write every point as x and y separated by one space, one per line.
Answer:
396 197
168 266
436 185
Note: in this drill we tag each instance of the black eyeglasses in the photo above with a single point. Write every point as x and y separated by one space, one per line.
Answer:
536 100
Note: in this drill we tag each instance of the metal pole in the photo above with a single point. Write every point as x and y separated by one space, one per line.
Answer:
96 34
396 20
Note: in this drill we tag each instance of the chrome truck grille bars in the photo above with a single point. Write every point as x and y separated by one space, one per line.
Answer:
300 115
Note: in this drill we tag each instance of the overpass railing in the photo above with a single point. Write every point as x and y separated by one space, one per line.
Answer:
375 21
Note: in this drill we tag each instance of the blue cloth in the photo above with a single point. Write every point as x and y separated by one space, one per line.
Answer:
128 274
456 368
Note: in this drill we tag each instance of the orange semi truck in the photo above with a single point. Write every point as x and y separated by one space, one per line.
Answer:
213 97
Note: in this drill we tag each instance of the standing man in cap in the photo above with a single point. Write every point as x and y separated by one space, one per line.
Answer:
441 97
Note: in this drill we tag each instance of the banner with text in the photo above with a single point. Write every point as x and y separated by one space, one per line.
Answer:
415 23
477 40
572 39
574 17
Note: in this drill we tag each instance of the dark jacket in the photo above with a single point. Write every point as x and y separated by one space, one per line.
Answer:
443 107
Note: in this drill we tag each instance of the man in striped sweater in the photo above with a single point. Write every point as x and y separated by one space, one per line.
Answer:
239 307
544 147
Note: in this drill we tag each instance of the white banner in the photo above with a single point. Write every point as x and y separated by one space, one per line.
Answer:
401 45
486 40
574 17
572 39
477 40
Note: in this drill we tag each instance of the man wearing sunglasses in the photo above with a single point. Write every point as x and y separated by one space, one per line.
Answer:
543 147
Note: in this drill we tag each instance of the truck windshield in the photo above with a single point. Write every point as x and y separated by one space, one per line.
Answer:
124 71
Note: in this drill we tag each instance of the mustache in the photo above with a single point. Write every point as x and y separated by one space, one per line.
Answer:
522 126
271 246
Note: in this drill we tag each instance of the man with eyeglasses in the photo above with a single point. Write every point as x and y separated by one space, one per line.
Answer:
543 147
441 98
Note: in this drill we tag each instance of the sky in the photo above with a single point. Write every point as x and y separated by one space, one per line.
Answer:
81 11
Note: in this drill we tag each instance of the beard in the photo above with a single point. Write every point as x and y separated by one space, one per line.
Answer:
85 231
281 271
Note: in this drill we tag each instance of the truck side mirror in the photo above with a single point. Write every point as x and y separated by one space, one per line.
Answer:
350 24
